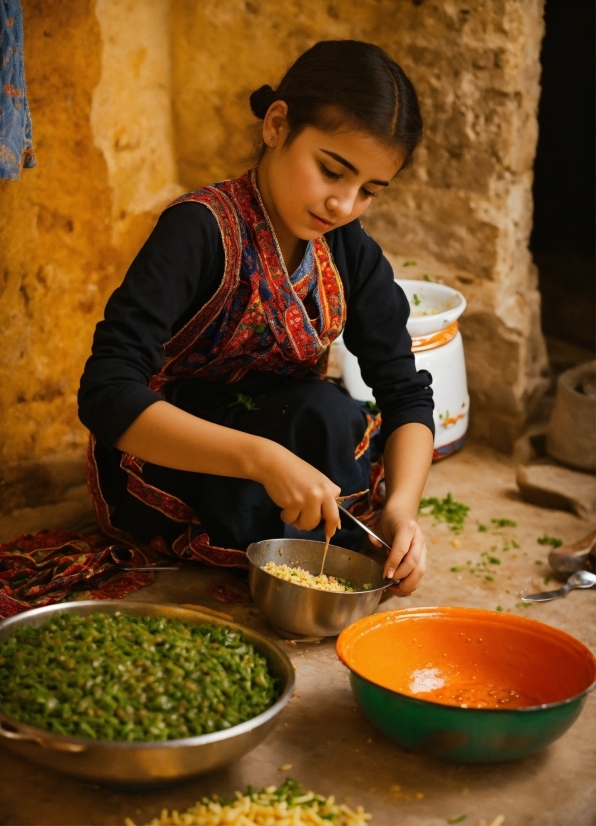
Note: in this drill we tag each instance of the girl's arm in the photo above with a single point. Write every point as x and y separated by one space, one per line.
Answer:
407 457
376 333
165 435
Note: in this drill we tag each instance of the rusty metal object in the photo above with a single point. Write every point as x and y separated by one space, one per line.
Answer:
578 556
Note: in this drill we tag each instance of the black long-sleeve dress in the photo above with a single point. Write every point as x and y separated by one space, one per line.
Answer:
208 318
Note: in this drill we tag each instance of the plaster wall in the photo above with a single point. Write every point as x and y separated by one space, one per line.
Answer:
98 85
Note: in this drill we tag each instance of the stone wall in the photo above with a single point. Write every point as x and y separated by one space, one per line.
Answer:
128 98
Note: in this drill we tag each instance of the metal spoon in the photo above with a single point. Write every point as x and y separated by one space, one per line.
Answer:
580 579
364 527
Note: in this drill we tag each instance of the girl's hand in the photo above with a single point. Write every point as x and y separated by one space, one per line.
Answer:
305 495
407 559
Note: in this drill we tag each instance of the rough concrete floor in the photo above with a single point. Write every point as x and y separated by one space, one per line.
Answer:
331 746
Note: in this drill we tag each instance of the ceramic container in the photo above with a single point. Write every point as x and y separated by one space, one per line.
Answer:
437 346
466 685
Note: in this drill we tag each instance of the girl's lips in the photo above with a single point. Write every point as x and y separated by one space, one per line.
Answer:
320 222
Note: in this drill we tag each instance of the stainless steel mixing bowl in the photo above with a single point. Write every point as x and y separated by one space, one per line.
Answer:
294 610
152 763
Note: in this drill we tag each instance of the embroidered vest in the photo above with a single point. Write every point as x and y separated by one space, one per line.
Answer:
257 319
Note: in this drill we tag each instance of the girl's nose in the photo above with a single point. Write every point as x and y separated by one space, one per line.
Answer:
342 207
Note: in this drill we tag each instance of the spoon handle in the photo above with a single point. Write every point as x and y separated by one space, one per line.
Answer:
545 596
364 527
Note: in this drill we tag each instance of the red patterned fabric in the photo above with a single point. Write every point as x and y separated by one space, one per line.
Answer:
47 567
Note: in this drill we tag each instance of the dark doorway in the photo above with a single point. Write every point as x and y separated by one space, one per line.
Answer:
563 236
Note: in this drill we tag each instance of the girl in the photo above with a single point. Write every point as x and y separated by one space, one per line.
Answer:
211 424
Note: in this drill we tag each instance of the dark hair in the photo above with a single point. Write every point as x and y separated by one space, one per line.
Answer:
347 80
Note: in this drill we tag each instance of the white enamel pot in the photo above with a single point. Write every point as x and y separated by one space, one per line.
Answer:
438 347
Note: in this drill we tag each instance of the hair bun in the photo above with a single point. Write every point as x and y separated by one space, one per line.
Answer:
261 100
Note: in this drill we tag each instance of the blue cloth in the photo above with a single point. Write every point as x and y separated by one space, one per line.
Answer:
16 149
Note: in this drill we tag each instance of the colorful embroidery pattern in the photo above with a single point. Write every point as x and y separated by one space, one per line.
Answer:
257 319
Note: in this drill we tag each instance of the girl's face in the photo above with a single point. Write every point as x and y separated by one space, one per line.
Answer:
321 180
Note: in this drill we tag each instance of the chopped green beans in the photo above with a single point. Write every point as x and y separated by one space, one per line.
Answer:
118 677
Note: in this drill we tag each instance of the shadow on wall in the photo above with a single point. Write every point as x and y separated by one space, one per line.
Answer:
563 235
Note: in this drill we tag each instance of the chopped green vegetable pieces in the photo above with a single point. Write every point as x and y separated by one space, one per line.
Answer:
416 300
245 401
118 677
499 608
554 541
482 528
409 264
504 523
456 568
456 819
426 277
445 510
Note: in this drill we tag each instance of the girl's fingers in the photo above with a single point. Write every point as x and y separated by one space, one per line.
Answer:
400 546
290 515
412 559
330 514
412 581
310 517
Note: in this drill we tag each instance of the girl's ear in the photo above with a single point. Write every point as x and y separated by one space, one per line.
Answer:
275 124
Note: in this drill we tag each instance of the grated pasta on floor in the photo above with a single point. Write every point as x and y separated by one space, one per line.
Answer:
287 805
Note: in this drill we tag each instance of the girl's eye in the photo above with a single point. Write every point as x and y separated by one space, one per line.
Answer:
368 194
329 174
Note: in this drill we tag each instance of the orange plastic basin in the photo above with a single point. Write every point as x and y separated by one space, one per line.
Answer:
468 657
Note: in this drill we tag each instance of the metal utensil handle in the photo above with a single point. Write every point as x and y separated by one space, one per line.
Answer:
544 596
23 736
364 527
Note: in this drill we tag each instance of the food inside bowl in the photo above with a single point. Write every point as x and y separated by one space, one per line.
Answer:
417 311
119 677
479 696
460 658
431 311
320 582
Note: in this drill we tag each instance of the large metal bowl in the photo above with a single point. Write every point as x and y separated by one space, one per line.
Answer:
294 610
144 763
